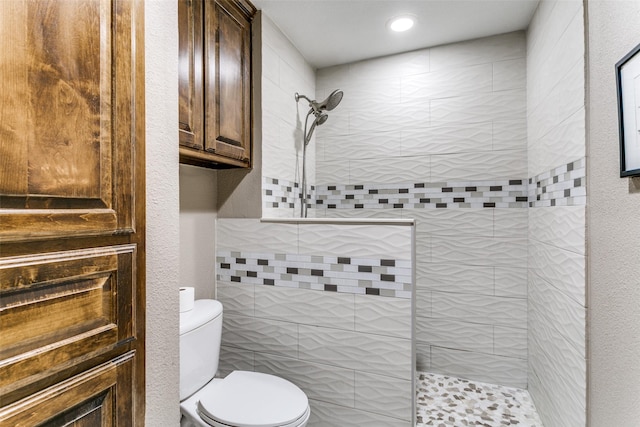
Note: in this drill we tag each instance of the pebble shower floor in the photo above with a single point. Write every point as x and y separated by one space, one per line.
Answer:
448 401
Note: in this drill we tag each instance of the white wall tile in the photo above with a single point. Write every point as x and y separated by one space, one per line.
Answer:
332 172
364 241
478 166
483 367
301 306
384 395
383 315
479 251
511 281
457 278
396 65
477 108
321 382
454 333
562 226
510 134
355 350
479 51
251 235
447 83
236 298
446 138
474 308
454 222
357 146
510 74
263 335
327 414
510 341
234 359
423 357
510 222
394 169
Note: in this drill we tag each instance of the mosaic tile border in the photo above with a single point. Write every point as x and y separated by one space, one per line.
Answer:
281 193
561 186
384 277
509 193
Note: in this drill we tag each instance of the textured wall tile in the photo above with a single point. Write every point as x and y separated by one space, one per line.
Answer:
564 269
511 281
384 395
380 90
264 335
456 278
301 306
234 359
447 83
362 213
480 309
478 166
479 367
336 125
453 333
322 382
446 138
235 298
510 134
330 415
423 357
280 161
270 64
511 74
479 251
479 51
330 172
510 223
365 241
403 64
423 303
510 341
562 226
394 169
551 307
356 146
384 316
240 235
477 108
355 350
453 222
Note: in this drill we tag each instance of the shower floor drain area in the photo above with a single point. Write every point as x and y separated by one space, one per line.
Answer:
449 401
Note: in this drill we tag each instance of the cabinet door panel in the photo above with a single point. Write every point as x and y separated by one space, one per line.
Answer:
67 136
59 308
227 64
100 397
190 88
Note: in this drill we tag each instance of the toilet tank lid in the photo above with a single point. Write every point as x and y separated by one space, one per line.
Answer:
204 311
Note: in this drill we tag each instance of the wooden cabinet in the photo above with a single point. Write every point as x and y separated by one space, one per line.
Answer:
72 231
215 82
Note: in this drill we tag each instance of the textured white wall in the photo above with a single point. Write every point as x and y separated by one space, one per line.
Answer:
161 64
614 229
556 141
285 72
451 116
198 213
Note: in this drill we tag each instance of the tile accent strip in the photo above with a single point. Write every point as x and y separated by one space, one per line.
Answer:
508 193
384 277
562 186
280 193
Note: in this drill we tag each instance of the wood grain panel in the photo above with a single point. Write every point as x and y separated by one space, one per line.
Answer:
66 130
56 308
190 86
89 399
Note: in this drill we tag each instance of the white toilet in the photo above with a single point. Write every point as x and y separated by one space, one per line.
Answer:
242 399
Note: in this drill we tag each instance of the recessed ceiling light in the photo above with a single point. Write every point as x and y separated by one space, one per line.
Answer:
401 23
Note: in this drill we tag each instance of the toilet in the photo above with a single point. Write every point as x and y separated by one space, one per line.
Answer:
242 398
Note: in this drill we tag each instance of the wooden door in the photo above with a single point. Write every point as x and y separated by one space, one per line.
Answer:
190 86
71 211
228 79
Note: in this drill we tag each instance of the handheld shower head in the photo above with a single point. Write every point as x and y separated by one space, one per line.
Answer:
328 104
331 102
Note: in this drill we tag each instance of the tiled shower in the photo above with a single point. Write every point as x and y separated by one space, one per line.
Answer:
477 151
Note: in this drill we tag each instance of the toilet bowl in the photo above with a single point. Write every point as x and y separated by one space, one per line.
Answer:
241 399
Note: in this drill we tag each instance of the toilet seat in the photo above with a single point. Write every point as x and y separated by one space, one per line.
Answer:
252 399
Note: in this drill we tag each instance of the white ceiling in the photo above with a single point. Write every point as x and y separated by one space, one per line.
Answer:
331 32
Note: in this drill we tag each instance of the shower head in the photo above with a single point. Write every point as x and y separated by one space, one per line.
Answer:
321 118
331 102
328 104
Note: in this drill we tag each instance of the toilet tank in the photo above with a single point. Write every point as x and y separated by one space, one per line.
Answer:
200 336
